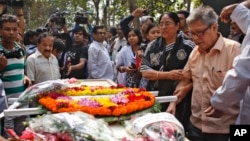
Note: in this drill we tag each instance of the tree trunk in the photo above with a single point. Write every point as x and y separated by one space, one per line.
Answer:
105 14
96 4
188 4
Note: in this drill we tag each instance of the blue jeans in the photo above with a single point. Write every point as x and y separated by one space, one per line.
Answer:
195 134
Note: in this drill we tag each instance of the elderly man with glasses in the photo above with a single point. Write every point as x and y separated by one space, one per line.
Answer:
204 72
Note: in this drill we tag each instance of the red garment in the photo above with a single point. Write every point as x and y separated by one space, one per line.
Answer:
137 62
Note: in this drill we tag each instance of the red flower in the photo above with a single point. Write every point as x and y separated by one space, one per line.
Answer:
62 105
12 133
27 134
120 86
134 97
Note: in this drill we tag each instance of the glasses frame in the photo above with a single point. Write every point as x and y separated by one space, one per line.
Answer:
200 33
166 24
101 33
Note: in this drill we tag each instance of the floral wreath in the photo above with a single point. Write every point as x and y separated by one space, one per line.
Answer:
127 101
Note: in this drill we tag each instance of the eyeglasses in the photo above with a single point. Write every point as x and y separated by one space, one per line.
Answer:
166 24
200 33
101 33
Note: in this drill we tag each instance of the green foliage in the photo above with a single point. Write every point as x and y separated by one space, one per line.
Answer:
106 12
197 3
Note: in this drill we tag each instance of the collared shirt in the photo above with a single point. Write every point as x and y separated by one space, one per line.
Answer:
30 49
40 69
119 43
207 71
99 63
236 85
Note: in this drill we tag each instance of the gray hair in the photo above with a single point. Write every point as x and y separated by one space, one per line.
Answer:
205 14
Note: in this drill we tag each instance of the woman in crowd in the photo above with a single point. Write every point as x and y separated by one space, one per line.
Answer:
152 33
128 60
165 58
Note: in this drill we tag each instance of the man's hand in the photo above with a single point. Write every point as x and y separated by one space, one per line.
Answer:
172 108
138 12
212 112
68 70
3 62
2 8
181 92
176 75
26 81
226 12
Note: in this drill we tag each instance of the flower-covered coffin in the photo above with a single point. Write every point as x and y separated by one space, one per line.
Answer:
126 102
95 100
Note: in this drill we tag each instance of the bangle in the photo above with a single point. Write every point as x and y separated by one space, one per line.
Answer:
157 74
19 15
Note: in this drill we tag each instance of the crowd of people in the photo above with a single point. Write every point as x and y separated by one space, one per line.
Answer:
182 54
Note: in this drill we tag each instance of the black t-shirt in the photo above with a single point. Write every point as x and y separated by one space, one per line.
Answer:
76 53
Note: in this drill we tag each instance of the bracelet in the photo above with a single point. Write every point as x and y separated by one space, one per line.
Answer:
157 74
19 15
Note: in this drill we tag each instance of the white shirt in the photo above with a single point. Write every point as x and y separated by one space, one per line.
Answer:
99 63
40 69
236 85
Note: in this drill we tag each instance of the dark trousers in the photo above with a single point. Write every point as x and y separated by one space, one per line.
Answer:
195 134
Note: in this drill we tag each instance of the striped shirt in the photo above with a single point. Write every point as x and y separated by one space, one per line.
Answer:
13 75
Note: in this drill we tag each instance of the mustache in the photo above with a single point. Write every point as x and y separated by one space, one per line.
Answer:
47 51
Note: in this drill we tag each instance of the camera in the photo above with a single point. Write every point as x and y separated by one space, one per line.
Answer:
81 17
17 53
41 30
58 17
14 3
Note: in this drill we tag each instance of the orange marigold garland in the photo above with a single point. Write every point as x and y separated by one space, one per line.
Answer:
126 102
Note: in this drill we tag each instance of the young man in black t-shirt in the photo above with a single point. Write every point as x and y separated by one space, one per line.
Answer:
77 55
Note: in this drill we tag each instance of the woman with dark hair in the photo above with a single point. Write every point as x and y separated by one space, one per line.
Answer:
152 33
128 60
165 58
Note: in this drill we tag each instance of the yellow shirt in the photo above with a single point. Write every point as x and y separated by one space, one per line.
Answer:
207 72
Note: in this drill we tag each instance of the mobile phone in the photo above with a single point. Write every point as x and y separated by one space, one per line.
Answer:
145 12
133 66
